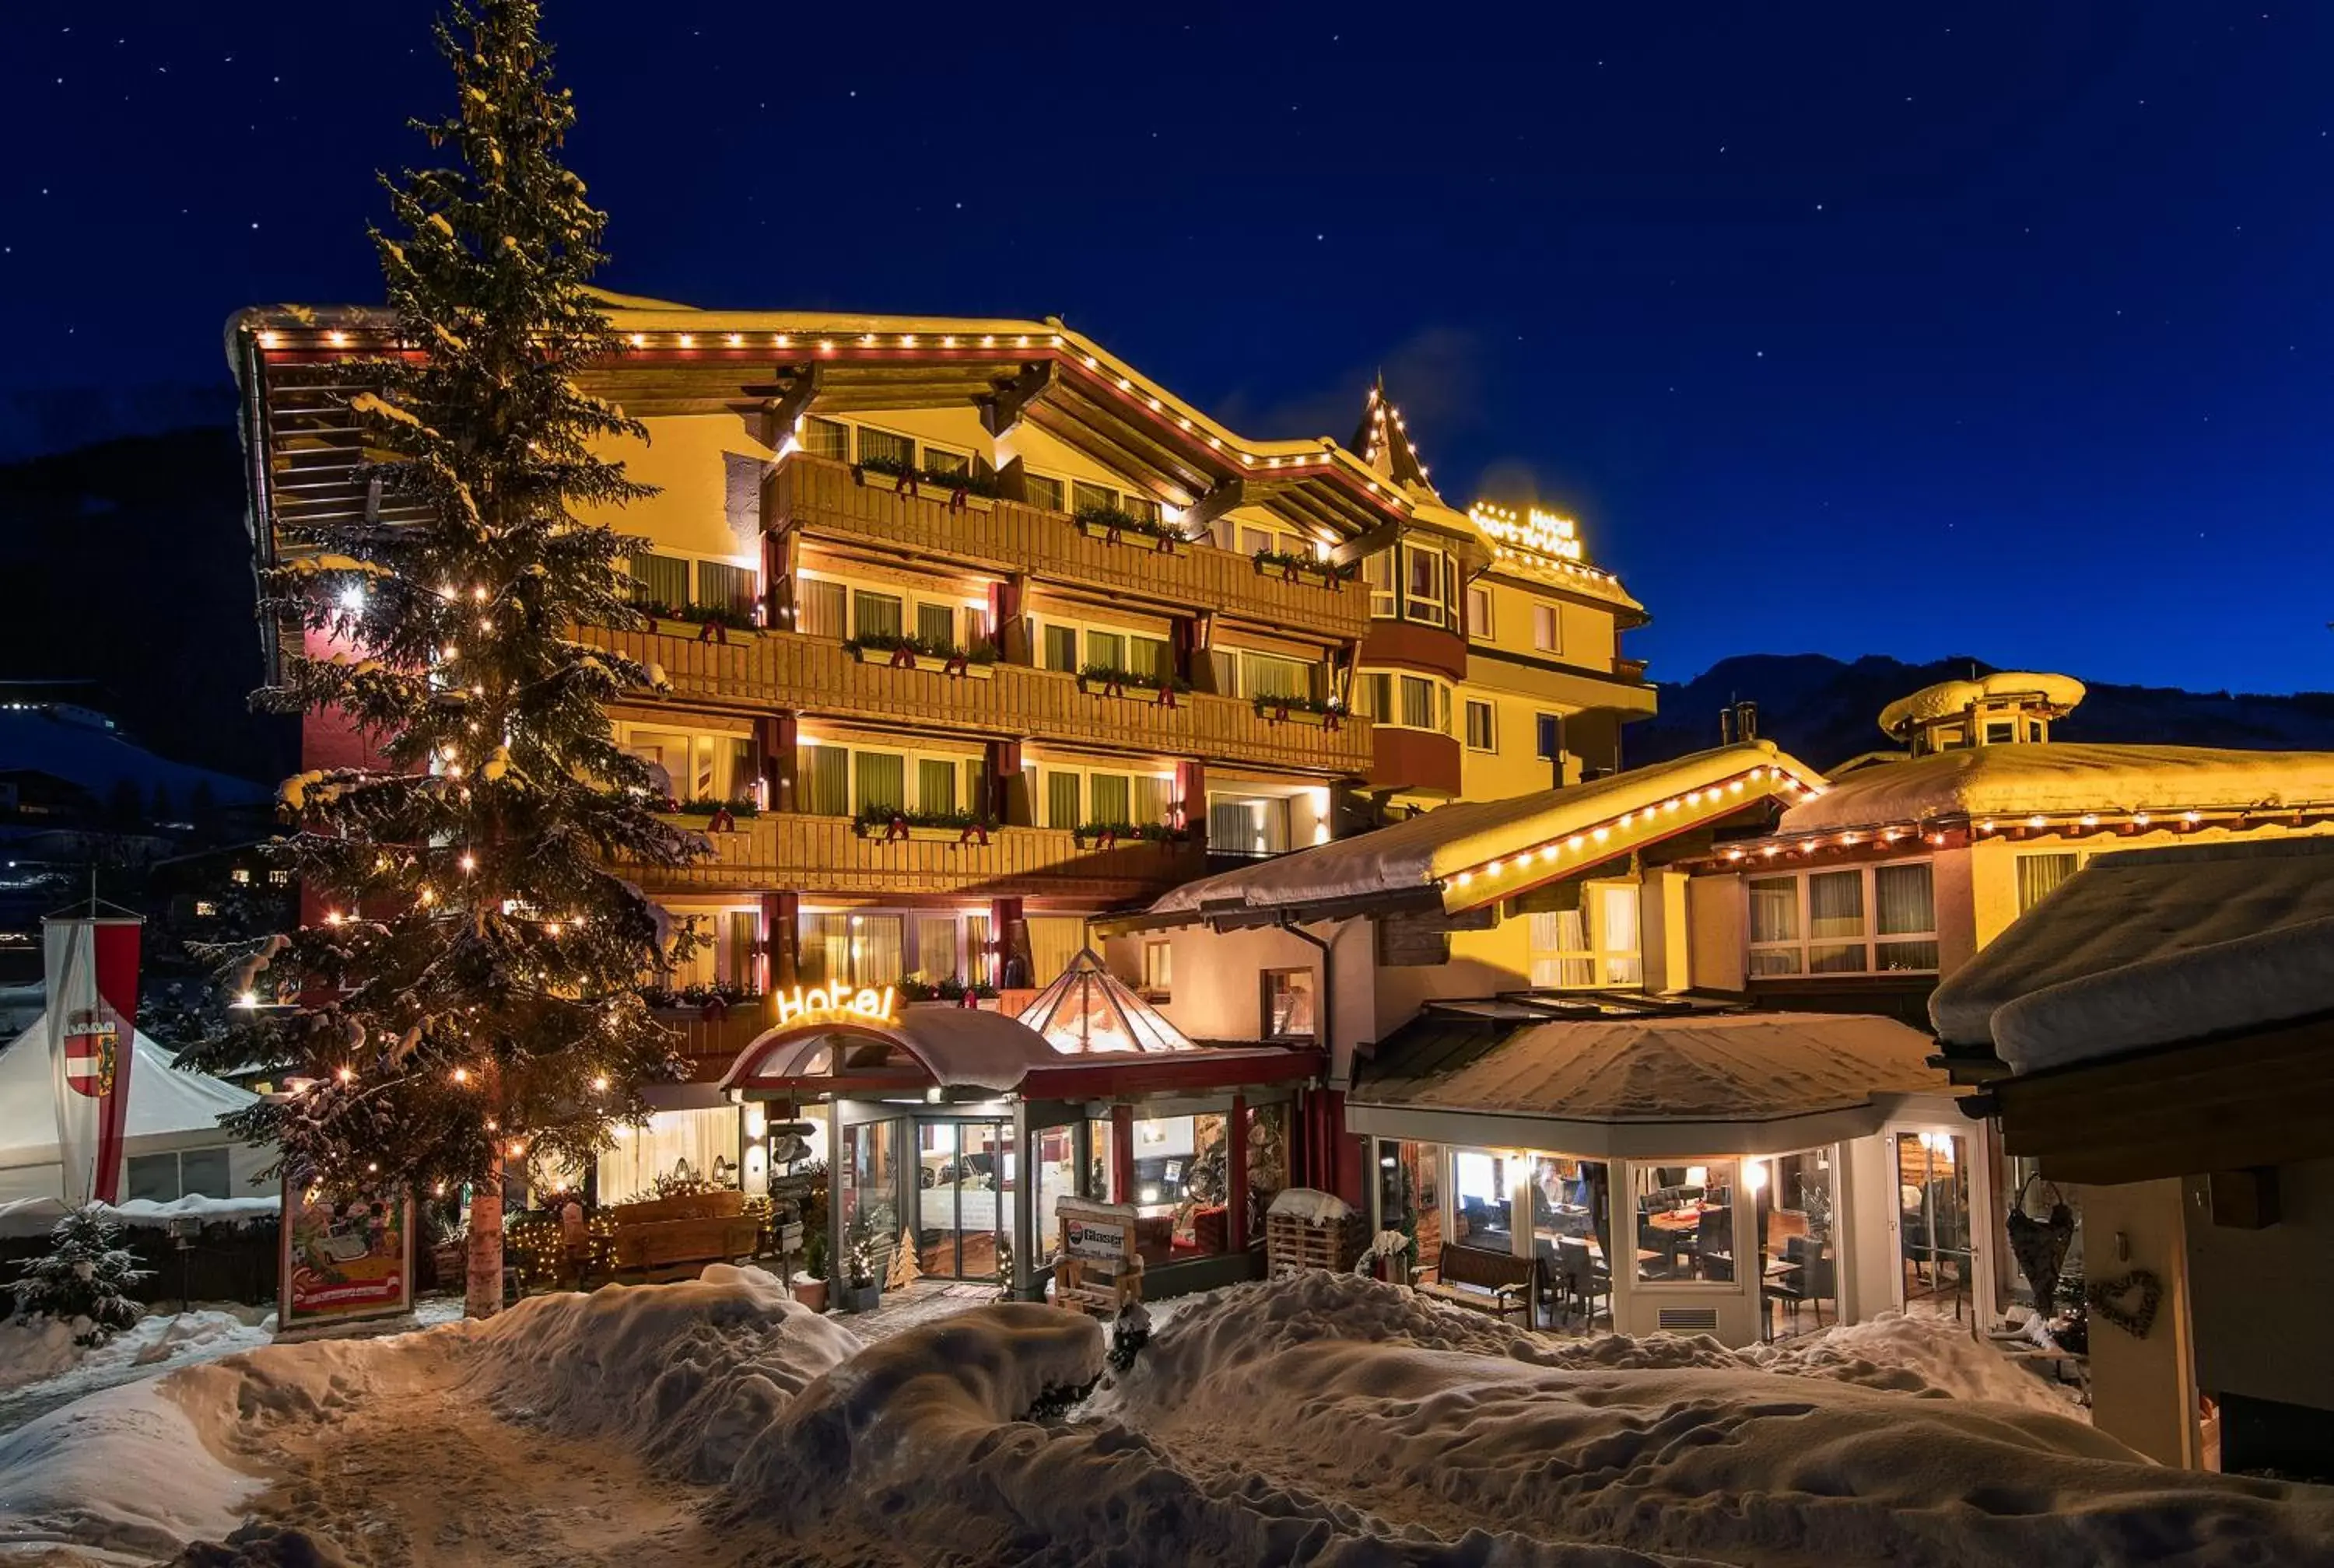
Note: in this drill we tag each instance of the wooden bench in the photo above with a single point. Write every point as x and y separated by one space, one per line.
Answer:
667 1239
1497 1282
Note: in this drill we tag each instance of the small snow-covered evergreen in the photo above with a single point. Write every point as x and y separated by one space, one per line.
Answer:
84 1279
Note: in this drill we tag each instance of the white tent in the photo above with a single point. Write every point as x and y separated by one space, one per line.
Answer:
171 1113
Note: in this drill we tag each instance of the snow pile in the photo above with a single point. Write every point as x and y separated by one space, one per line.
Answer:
688 1373
1921 1356
1312 1206
39 1351
128 1471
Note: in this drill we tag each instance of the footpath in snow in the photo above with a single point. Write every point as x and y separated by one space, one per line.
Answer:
1319 1419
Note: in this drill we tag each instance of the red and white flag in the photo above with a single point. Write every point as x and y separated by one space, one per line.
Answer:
93 1008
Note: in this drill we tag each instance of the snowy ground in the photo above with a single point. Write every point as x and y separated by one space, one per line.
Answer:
1321 1419
41 1369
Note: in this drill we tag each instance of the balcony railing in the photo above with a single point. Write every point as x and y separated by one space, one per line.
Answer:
819 677
788 850
820 497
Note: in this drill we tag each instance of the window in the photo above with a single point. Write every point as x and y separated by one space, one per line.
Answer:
936 623
822 608
1378 571
935 785
878 783
204 909
1150 656
875 614
1158 970
279 877
940 460
1063 798
1287 1004
1424 572
1685 1221
882 446
1479 613
240 876
1042 491
2038 874
1247 824
1593 946
822 781
726 587
1418 709
183 1173
1547 629
1479 733
1548 736
1087 497
1374 694
1107 797
660 580
1054 941
937 947
1857 920
1061 646
1270 675
826 438
1106 648
1142 508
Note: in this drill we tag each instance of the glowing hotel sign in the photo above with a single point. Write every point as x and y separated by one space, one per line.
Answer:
836 1004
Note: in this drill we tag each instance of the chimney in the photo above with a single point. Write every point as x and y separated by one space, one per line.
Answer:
1746 721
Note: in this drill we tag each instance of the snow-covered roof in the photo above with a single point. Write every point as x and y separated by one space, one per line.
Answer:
1089 1011
2150 948
2063 779
1731 1068
1475 851
163 1100
1949 698
960 1047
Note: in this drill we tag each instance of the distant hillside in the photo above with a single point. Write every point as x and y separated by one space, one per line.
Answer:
127 564
1823 710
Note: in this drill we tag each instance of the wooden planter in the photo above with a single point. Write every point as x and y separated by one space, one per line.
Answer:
928 490
1273 714
1319 571
1127 692
1094 841
697 631
880 833
1133 538
973 668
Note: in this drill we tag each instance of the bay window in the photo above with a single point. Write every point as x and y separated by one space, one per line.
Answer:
1853 920
1429 585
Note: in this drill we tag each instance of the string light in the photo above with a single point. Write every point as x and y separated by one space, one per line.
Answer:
600 1083
462 1075
346 1074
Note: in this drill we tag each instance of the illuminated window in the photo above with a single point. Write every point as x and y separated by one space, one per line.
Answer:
1426 577
940 460
2038 874
1479 613
882 446
1378 571
279 879
1158 970
826 438
1593 946
1042 490
1547 629
1287 1004
1855 921
203 908
240 876
1480 736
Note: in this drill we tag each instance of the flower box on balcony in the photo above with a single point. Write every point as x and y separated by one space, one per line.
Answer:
905 829
926 486
1125 528
1293 568
712 630
962 666
1096 680
1111 835
1299 710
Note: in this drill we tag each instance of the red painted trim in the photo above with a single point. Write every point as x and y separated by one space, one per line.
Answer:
1121 1153
1107 1077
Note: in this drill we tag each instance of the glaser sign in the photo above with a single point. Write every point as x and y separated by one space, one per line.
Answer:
835 1005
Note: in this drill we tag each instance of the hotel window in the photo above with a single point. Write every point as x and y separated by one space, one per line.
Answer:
1593 946
1142 508
2038 874
822 608
660 580
240 875
1548 736
1042 490
1247 824
205 907
1061 647
1063 798
878 783
822 781
1287 1004
826 438
1108 797
279 879
726 587
1158 970
1480 736
1088 497
1426 575
1479 613
695 766
1547 629
1270 675
936 781
937 947
1378 571
875 614
1426 704
855 949
1054 941
940 460
882 446
1857 920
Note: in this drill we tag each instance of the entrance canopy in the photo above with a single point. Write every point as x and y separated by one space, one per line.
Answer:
1089 1011
1748 1084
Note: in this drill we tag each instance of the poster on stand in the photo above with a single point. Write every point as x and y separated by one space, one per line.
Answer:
345 1258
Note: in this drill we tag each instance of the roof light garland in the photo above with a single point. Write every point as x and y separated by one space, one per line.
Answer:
2074 823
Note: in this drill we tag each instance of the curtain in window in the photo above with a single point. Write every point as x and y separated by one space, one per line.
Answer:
1150 656
975 793
825 952
1836 904
883 444
1378 571
671 1140
935 785
1042 491
937 623
1061 647
822 781
1141 506
660 580
1107 649
1617 913
979 962
937 461
881 783
1107 797
1559 949
1417 702
1233 827
826 438
1775 909
1268 675
1149 799
1479 725
741 930
1062 799
1423 575
727 587
936 953
1903 899
2038 874
1087 497
1054 941
875 614
1546 629
1225 667
876 951
822 608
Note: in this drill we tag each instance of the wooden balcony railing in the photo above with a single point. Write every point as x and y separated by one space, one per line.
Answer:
819 495
819 677
785 849
717 1039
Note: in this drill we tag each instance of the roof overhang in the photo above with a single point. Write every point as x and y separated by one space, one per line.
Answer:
1634 1139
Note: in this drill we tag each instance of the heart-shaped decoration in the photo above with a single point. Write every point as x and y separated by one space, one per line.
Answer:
2128 1303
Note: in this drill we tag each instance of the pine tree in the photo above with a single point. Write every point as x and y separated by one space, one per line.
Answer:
471 996
905 1271
84 1280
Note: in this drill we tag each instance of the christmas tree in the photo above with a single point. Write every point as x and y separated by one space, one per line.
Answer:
904 1271
84 1280
469 997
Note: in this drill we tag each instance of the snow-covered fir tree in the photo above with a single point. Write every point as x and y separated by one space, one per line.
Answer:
469 994
84 1279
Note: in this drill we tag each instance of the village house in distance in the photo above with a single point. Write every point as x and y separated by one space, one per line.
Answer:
970 634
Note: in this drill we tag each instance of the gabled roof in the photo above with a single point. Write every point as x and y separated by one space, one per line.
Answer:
1384 441
1088 1011
1471 853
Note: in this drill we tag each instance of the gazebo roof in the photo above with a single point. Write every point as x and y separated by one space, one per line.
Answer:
1089 1011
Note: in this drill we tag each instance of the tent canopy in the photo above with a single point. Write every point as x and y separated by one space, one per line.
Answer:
164 1104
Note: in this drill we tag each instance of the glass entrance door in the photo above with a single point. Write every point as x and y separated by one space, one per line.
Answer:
965 1178
1936 1264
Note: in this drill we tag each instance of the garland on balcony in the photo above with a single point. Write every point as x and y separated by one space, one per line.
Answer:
906 649
715 622
1291 566
950 989
1278 709
1108 835
1115 522
723 814
1111 680
912 480
893 826
709 1002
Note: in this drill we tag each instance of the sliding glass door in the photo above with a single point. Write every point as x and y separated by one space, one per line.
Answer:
965 1175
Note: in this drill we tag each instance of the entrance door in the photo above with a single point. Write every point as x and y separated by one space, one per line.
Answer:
964 1198
1942 1264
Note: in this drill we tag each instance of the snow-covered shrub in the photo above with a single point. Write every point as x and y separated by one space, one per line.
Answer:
84 1279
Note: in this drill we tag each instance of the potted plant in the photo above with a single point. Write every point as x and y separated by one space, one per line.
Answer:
811 1289
862 1291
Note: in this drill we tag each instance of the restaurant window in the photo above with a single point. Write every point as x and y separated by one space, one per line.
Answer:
1289 1004
1685 1221
1378 571
1594 946
1158 970
1479 1199
1855 921
1480 736
826 438
1410 1198
660 580
1426 573
1479 613
2038 874
1042 490
885 447
1793 1199
1572 1224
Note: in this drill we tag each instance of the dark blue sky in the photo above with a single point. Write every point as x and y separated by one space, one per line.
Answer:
1999 330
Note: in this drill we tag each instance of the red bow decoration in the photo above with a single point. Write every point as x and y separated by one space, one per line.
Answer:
903 658
1290 570
714 1010
974 833
1332 721
956 502
896 828
713 631
1167 697
722 822
957 664
1166 546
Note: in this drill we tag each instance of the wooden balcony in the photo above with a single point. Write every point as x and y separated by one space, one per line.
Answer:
823 854
819 677
819 496
717 1040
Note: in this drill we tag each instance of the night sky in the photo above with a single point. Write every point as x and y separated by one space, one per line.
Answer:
1995 330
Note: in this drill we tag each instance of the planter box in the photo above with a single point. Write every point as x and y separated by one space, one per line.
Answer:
1319 571
1272 713
1155 696
973 670
1094 841
928 490
1133 538
862 1298
696 631
923 835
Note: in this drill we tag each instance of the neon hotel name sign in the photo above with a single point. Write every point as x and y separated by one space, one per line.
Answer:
836 1004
